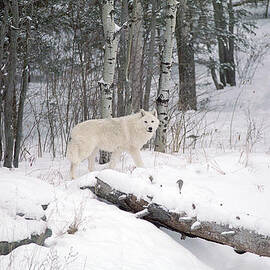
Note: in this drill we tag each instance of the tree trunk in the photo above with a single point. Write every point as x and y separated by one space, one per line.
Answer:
3 30
220 24
242 240
9 94
165 77
151 50
204 26
267 8
24 88
122 64
225 39
186 61
136 58
128 93
231 68
111 43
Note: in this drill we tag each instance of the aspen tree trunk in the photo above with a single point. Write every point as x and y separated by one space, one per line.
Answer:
165 76
111 43
8 106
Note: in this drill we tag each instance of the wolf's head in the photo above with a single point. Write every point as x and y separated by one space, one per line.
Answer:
149 120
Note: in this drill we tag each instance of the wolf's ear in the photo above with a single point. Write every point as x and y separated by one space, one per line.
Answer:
142 112
154 112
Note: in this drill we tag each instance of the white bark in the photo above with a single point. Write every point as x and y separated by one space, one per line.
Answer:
165 76
111 43
111 34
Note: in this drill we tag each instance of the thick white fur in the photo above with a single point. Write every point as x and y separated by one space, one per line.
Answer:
116 135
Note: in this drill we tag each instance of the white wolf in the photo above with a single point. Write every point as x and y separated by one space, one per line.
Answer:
116 135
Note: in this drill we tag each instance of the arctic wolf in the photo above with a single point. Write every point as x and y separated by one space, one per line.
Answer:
116 135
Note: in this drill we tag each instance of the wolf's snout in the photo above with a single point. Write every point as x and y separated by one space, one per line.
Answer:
150 129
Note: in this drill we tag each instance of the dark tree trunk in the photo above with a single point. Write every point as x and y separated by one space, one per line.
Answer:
267 8
129 98
225 37
24 88
242 240
151 50
212 68
220 24
10 90
204 26
122 64
135 71
186 62
231 69
3 31
1 134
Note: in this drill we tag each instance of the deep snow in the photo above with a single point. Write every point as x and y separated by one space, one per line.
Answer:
224 178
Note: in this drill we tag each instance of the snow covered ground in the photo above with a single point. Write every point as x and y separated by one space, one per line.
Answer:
226 176
108 238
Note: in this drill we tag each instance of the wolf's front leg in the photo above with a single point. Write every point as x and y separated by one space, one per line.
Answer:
136 156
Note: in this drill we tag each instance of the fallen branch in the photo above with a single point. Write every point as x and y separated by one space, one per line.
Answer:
242 240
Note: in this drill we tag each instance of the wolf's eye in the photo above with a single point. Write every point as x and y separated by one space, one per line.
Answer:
145 122
152 121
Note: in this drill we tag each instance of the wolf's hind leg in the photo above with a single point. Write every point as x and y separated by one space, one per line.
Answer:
91 160
73 166
114 158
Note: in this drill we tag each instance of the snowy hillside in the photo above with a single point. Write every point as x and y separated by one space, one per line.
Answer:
226 176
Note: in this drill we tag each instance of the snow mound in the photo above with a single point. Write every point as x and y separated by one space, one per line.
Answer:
22 200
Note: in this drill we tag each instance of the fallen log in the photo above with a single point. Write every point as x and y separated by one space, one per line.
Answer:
242 240
6 247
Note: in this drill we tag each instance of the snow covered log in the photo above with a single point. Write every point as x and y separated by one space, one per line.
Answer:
242 240
6 247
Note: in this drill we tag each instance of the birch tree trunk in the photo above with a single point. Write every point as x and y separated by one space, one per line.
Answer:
165 76
111 43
